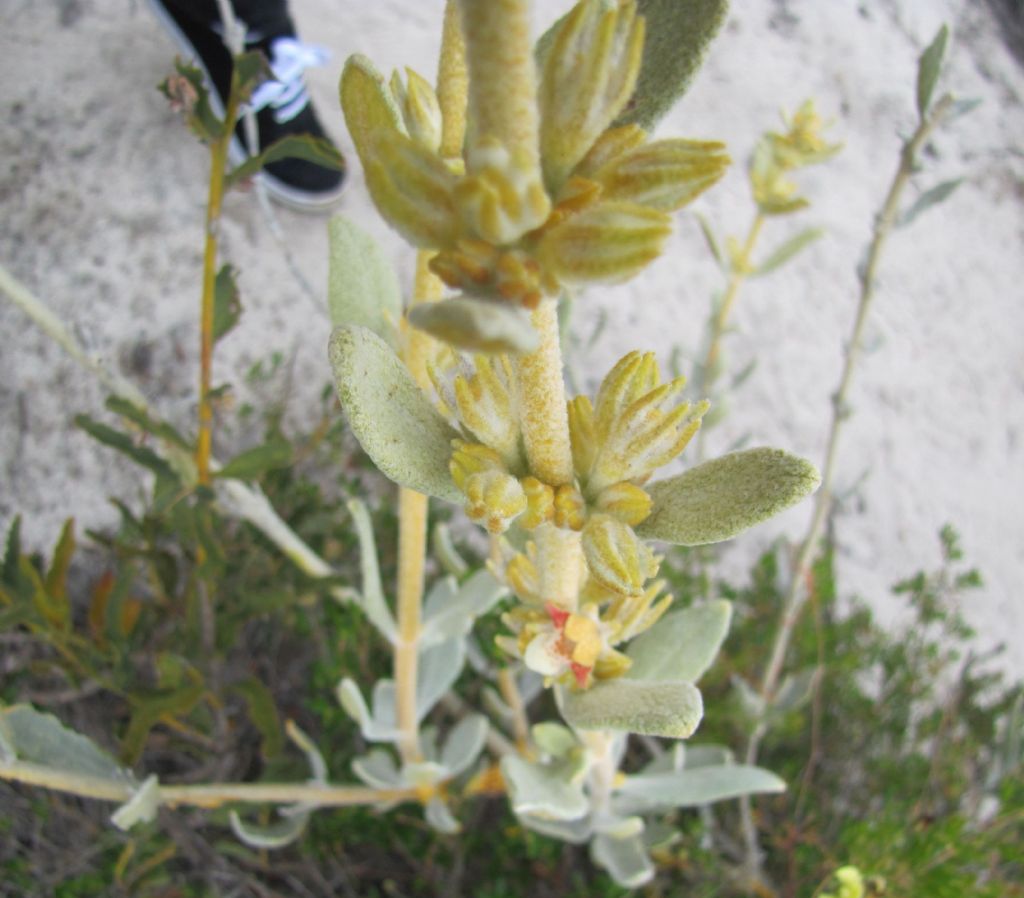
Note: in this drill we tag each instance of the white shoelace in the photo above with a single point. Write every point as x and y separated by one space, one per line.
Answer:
286 93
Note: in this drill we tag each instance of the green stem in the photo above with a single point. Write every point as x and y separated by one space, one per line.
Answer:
215 197
800 569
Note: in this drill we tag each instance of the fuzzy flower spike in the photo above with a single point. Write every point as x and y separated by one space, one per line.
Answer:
554 196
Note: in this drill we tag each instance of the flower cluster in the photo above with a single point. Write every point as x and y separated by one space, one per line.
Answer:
571 617
519 217
802 144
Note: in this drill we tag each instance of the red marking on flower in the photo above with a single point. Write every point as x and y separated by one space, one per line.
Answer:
558 615
581 673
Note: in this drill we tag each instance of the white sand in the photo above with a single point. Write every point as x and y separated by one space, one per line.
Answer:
102 194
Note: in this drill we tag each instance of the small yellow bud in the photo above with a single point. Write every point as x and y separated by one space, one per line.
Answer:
608 242
625 501
611 664
521 574
540 503
472 458
498 199
665 175
581 432
420 110
637 431
614 143
494 499
589 74
615 556
485 406
570 509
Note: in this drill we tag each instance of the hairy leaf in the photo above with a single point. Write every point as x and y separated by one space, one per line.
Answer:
362 287
678 34
931 197
371 599
721 498
477 325
626 860
682 645
395 424
929 67
788 250
543 791
650 708
37 738
701 785
253 463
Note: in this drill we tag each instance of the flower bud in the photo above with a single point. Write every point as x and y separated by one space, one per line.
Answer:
420 109
615 555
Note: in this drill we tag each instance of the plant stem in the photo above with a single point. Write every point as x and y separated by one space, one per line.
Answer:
544 420
520 721
720 320
210 795
412 542
800 569
215 198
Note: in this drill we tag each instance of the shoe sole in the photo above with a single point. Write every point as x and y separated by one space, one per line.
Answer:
285 195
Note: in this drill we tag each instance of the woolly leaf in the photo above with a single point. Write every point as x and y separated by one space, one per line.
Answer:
464 744
476 325
678 34
440 817
788 250
928 68
682 645
371 599
450 611
543 791
36 738
440 666
700 785
274 835
362 287
626 860
721 498
392 419
667 708
141 807
931 197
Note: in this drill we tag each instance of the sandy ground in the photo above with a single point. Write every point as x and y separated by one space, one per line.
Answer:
102 194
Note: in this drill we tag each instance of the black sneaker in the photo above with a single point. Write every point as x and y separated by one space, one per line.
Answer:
282 106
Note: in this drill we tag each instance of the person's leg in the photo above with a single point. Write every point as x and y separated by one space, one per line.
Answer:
283 107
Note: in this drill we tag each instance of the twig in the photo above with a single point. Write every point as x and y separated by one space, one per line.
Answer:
796 596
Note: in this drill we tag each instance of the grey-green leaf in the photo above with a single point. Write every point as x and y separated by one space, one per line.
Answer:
677 37
682 645
371 599
931 197
37 738
928 68
464 744
701 785
477 325
539 791
788 249
626 860
721 498
274 835
141 807
391 417
362 287
668 708
440 666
